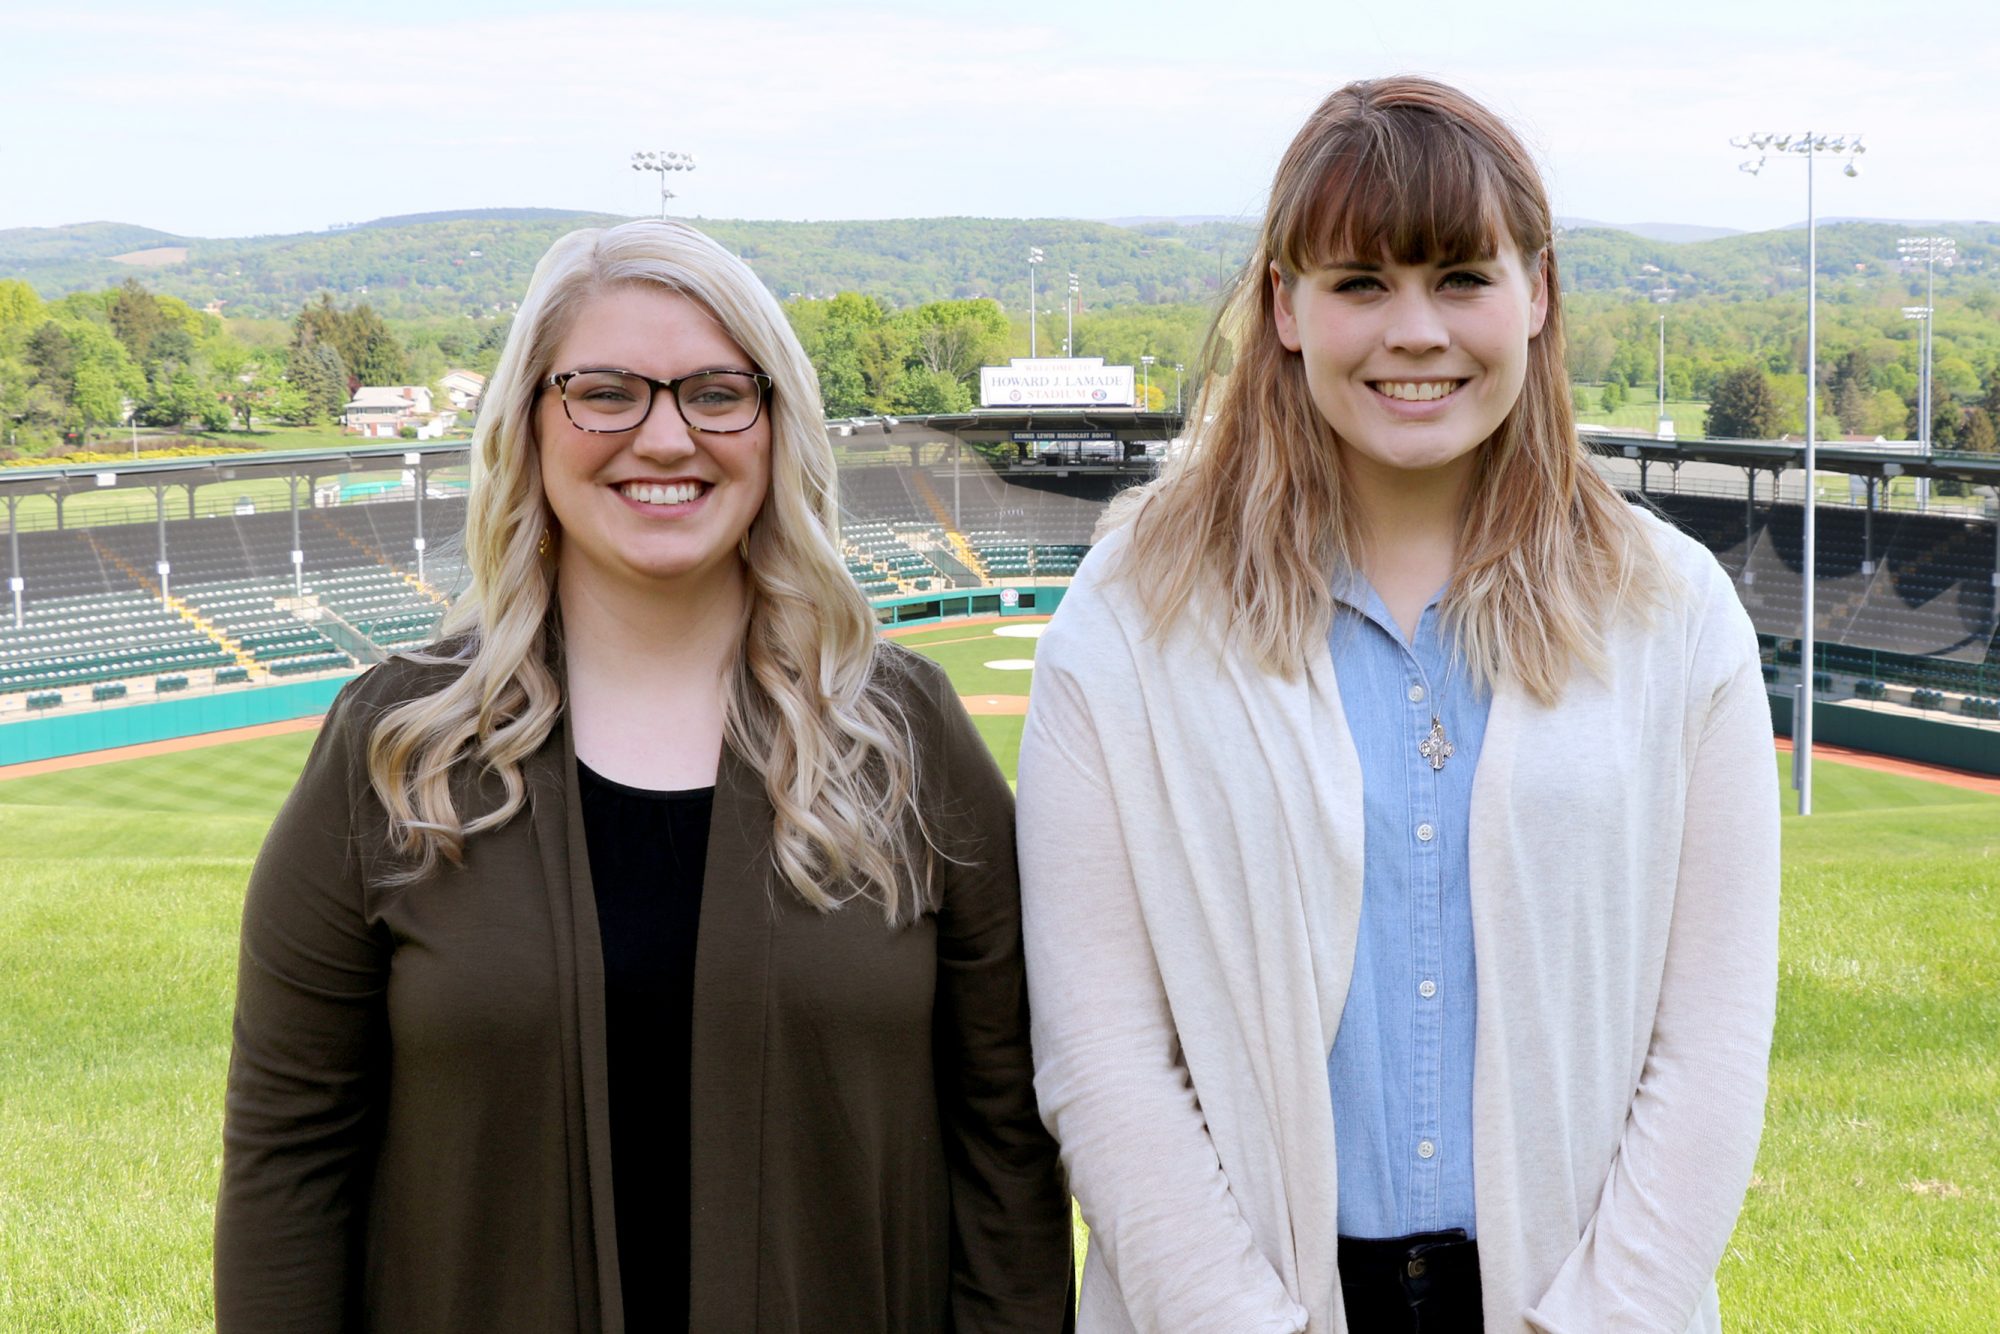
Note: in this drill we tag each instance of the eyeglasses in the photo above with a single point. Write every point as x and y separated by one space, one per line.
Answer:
604 401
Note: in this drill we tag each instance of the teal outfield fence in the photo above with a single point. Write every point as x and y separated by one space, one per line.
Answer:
1954 745
48 737
57 734
1004 601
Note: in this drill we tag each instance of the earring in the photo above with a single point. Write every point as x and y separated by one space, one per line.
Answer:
546 545
743 548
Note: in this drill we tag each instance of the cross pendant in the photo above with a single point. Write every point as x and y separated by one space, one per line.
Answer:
1434 747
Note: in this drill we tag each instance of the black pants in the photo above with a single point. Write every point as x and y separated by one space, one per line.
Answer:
1425 1283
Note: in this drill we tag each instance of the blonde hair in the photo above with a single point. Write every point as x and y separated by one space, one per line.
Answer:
808 704
1256 511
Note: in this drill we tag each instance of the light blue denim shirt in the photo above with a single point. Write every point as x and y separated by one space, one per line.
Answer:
1401 1068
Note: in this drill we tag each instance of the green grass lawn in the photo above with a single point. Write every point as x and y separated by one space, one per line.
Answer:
122 885
964 651
1641 412
134 502
1878 1189
1877 1196
966 654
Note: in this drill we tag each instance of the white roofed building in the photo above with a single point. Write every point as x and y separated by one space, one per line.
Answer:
380 412
463 388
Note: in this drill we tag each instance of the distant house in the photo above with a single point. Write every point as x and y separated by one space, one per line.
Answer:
380 412
463 388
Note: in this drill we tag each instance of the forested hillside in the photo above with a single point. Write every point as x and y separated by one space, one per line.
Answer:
899 315
478 262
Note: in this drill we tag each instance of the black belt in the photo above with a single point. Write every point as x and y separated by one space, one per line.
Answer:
1427 1282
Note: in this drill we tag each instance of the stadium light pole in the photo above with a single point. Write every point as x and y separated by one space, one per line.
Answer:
1811 147
1660 422
1922 315
664 163
1179 373
15 584
1034 258
1069 343
1146 374
1933 251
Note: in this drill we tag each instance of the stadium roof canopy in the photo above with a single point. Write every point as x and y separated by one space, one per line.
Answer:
1019 425
70 478
1862 460
985 424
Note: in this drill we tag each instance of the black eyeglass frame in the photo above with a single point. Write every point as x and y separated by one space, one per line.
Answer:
671 388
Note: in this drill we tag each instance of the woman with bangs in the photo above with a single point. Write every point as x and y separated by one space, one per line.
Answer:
1398 819
646 955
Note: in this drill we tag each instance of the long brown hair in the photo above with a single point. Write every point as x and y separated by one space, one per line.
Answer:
1255 514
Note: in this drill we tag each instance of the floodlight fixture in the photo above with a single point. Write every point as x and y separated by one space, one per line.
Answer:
663 162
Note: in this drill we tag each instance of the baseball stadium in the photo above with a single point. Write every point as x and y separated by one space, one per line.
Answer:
173 630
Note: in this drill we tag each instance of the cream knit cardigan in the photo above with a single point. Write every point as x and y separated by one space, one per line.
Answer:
1190 838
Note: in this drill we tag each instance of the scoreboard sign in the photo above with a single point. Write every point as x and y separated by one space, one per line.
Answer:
1056 382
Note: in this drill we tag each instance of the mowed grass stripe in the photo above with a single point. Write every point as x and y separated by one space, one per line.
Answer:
1878 1188
1877 1195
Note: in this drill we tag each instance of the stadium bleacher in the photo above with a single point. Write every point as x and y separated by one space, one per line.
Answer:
1907 606
1910 605
84 640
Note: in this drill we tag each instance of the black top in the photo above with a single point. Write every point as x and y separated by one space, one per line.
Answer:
647 853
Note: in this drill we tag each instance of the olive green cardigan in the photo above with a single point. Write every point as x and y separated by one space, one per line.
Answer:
417 1133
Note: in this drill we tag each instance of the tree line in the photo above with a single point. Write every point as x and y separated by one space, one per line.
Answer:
477 262
126 356
91 361
1869 360
926 358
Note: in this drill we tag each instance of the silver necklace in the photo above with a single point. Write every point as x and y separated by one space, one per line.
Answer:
1436 747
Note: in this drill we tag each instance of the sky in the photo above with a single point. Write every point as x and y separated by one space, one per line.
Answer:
236 118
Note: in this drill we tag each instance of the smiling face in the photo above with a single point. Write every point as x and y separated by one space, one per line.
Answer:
658 505
1414 366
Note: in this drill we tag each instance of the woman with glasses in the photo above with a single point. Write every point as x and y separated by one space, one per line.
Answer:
1398 832
646 954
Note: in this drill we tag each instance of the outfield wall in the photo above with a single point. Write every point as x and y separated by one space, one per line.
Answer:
1954 745
164 720
925 608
